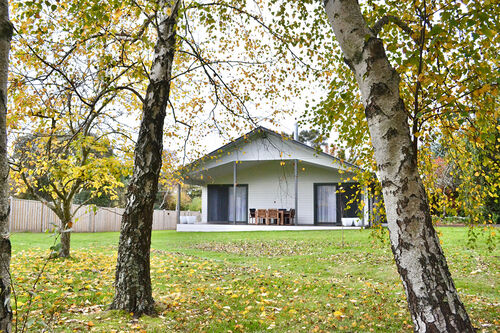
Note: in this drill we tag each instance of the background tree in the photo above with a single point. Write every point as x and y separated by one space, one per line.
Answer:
433 300
190 198
5 248
67 99
58 167
169 178
313 137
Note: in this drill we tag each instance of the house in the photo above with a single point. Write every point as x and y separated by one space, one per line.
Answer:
272 171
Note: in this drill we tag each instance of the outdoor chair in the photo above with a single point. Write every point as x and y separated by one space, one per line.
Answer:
260 214
272 214
283 216
252 216
291 219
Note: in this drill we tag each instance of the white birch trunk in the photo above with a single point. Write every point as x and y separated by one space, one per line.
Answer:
133 292
5 248
432 298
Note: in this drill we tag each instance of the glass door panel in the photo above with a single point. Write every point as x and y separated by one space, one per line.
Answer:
326 204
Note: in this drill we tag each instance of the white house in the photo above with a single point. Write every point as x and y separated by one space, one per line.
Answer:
275 172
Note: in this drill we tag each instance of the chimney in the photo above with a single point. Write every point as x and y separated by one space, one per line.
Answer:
296 134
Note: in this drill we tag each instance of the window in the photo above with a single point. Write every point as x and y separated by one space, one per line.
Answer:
350 198
325 203
333 201
220 203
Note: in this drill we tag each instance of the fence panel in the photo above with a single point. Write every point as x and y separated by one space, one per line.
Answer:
34 216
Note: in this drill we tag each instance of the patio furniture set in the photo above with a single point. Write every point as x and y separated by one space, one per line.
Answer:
272 216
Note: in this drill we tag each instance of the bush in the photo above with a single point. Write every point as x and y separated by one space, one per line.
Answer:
195 204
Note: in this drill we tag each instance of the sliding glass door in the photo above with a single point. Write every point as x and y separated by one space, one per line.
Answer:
220 203
218 198
325 203
330 207
241 203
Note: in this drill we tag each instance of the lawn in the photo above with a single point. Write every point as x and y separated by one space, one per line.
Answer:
300 281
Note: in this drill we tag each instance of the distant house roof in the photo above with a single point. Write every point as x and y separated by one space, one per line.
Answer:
222 155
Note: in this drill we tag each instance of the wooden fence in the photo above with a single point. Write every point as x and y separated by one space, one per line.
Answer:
33 216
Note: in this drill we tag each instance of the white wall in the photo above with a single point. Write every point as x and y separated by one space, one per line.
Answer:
270 148
271 185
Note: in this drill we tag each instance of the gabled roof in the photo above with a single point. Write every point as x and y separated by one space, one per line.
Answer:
259 132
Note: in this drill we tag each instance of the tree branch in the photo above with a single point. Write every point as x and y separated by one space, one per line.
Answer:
377 27
256 19
188 133
40 198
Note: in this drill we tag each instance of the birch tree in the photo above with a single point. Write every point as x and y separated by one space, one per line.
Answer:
5 248
432 297
445 54
133 281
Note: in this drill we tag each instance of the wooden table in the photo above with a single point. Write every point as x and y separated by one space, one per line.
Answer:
263 214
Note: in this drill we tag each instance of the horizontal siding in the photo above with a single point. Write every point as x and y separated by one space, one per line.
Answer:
272 185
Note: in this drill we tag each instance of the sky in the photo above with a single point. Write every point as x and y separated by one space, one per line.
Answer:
311 92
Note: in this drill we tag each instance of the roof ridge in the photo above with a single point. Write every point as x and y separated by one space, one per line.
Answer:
265 129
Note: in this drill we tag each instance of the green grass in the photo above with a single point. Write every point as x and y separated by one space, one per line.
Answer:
285 281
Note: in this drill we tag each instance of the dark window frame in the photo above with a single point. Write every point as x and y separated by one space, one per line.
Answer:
229 220
338 198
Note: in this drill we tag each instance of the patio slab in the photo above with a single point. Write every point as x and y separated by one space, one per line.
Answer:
252 227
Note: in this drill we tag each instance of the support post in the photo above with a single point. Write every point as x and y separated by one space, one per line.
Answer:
178 205
296 171
366 206
234 192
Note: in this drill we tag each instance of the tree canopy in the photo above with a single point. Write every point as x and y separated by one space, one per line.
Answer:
445 52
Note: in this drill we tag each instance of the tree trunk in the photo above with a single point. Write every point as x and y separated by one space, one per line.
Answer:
64 252
432 298
66 226
132 281
5 248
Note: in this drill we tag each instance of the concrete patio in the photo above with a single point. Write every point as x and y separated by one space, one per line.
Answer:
206 227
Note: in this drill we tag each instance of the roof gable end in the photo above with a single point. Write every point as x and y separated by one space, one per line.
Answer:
262 144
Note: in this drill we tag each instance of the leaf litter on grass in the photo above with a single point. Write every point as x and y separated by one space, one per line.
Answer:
275 248
199 294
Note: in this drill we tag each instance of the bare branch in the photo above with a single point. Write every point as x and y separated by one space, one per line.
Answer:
377 27
135 92
188 133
